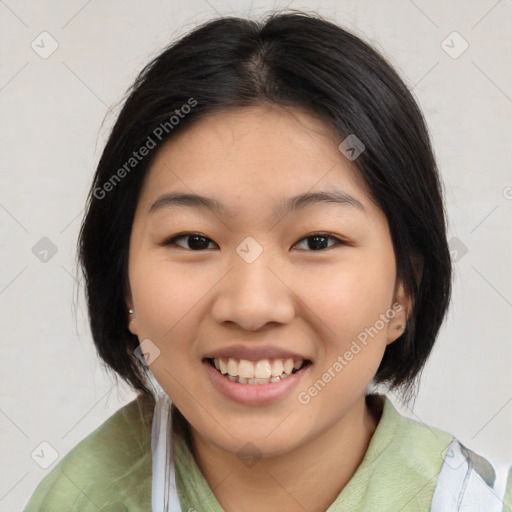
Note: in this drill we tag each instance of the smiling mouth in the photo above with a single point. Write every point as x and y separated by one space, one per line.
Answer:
265 371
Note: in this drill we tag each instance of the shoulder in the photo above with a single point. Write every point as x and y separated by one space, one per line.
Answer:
415 444
439 471
402 462
109 470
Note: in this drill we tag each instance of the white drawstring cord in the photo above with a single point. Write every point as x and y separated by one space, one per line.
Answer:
164 494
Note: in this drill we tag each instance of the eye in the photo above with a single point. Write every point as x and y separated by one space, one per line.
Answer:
319 241
195 242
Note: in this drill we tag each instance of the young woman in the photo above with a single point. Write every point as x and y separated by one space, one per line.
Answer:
265 243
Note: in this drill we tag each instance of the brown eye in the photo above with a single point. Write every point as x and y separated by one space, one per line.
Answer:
319 241
194 242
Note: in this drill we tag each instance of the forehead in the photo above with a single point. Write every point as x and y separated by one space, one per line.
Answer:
253 154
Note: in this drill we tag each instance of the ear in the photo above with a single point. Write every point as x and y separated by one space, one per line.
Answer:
132 320
402 306
402 303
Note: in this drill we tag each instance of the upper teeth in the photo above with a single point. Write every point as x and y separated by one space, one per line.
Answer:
263 369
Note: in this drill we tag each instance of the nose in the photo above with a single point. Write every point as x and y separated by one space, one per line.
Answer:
252 295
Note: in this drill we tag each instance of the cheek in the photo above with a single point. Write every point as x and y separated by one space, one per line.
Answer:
170 301
162 295
348 308
348 303
168 305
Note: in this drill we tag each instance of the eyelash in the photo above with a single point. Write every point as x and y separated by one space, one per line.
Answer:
172 241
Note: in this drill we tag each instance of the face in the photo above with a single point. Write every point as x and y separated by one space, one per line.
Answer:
294 301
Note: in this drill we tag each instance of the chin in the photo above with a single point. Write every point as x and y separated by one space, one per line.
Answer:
244 438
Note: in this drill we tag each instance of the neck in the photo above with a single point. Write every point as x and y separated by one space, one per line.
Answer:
284 483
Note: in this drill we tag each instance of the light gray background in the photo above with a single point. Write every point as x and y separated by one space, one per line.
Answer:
54 388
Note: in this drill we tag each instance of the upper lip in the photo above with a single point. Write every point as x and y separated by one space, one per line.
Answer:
254 353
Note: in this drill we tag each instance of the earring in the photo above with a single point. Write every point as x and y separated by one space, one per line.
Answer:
131 311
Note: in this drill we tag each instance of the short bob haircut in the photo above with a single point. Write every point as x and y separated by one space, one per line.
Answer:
291 60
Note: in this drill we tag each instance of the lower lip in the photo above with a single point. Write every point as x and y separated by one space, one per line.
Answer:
253 394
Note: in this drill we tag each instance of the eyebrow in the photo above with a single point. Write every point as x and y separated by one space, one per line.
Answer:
291 204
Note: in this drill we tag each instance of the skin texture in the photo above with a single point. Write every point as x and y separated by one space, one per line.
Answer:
313 302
